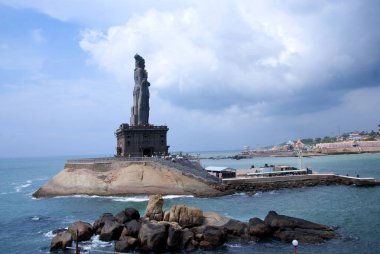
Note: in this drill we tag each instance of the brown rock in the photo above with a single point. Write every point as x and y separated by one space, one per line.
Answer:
83 229
187 237
99 223
174 240
127 214
166 216
205 245
275 220
214 219
186 216
61 241
111 231
214 235
235 227
153 236
290 228
131 228
126 245
257 227
154 208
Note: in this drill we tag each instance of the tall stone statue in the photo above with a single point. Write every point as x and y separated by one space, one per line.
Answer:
140 108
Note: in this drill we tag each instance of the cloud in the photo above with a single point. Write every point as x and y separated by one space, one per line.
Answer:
223 74
245 53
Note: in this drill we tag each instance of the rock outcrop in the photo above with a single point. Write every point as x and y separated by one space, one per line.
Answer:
61 241
184 228
119 177
154 209
81 231
185 216
288 228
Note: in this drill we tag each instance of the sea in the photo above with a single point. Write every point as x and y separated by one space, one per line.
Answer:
27 224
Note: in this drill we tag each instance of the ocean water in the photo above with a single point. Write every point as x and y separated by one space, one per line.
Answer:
26 223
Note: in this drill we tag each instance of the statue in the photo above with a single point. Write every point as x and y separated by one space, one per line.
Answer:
140 108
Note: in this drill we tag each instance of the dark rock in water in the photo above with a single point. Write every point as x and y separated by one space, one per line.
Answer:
257 227
131 228
154 208
187 229
59 230
275 220
205 245
153 236
235 227
84 230
111 231
132 213
174 240
121 217
99 223
61 241
185 216
214 235
289 228
304 235
187 237
127 214
126 245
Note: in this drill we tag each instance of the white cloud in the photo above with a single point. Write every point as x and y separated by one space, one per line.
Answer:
224 74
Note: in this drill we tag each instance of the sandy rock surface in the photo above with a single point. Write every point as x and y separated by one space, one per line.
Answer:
129 179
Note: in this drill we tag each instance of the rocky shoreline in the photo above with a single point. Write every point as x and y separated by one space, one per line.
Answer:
184 228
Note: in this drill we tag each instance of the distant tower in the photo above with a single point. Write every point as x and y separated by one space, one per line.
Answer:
141 138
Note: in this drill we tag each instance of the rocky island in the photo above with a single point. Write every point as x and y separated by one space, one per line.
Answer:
187 229
131 176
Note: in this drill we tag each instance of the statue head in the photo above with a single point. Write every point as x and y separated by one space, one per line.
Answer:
140 62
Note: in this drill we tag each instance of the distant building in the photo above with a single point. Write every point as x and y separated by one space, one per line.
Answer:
221 172
339 138
355 136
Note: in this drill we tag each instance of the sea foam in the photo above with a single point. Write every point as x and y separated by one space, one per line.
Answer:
24 185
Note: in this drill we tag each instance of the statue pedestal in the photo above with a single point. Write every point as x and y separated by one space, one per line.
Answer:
140 141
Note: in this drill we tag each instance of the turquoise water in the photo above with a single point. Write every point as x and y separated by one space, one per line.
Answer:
26 223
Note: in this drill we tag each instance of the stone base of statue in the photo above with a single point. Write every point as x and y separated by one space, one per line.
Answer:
141 140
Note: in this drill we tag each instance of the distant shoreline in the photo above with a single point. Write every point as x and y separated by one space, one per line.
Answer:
284 154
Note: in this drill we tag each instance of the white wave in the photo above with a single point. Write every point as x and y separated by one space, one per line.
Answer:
139 198
146 198
258 194
79 196
49 234
177 196
234 245
240 194
22 186
131 199
95 243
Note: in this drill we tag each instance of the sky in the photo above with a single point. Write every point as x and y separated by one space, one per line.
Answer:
224 74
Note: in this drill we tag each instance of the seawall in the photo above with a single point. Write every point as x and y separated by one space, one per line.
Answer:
252 184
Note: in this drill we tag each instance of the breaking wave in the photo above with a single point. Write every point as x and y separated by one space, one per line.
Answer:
140 198
24 185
